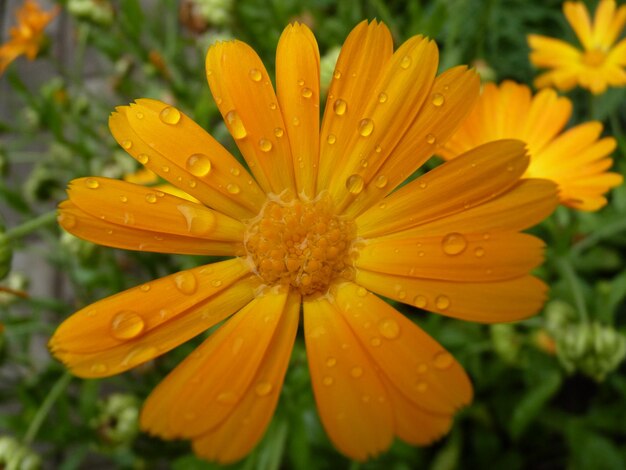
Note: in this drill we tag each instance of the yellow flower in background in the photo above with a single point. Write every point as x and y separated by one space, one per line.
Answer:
317 224
601 62
576 159
27 36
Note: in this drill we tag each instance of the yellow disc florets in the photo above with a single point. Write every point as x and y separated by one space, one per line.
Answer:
301 244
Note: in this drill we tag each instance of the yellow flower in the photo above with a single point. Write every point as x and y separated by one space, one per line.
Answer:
26 37
317 223
601 62
577 159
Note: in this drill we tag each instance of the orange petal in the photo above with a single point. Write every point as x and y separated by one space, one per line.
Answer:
298 89
437 120
351 399
209 384
187 156
408 357
245 97
578 18
362 59
234 438
454 256
134 326
453 187
135 206
484 302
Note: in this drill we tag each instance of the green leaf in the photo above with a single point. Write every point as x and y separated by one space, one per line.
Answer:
534 401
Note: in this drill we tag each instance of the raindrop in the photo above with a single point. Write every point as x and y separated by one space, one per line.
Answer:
296 121
127 144
92 183
453 244
216 282
265 145
233 188
431 139
382 97
227 398
307 92
272 106
145 287
331 139
422 368
337 74
405 63
235 171
263 389
139 115
127 325
300 82
375 342
279 132
255 75
366 127
186 282
356 372
361 291
355 184
423 184
389 328
479 252
198 223
443 360
381 181
235 125
170 115
198 164
340 107
123 199
331 362
420 301
151 198
328 380
142 158
438 99
442 302
98 368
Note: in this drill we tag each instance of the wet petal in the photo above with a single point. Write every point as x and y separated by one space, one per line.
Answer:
351 399
234 438
134 326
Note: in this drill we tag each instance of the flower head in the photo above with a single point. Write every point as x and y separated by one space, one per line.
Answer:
316 223
601 62
27 36
576 159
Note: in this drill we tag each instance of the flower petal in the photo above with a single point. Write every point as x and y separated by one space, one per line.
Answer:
134 326
241 431
486 171
298 89
361 61
83 225
245 97
578 18
141 207
209 384
351 399
434 125
483 302
551 52
187 156
454 256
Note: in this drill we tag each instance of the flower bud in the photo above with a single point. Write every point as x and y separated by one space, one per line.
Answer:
15 456
117 421
506 342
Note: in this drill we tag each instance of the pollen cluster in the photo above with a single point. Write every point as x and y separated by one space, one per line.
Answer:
301 244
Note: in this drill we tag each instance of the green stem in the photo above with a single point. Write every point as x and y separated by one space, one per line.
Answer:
606 231
57 389
31 225
567 272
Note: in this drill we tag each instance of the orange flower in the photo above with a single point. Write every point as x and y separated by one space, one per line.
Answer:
601 62
26 37
317 224
576 159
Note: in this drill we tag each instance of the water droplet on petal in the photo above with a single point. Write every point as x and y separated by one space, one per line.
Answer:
443 360
375 342
127 325
170 115
186 282
279 132
331 362
442 302
198 222
233 188
431 139
216 282
92 183
381 181
151 198
296 121
422 368
382 97
337 74
361 291
340 107
307 92
127 144
438 99
227 398
263 389
328 380
265 145
145 287
419 301
98 368
235 125
256 75
405 62
331 139
389 328
143 158
366 127
273 106
198 164
423 184
356 372
453 244
355 184
139 115
479 252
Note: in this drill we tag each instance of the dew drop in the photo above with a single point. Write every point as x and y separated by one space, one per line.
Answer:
420 301
139 115
479 252
127 325
186 282
235 171
364 163
356 372
143 158
443 360
442 302
355 184
235 125
123 199
422 368
272 106
265 145
216 282
198 223
381 181
263 389
366 127
438 99
331 139
300 82
423 185
127 144
296 121
431 139
382 98
279 132
405 62
331 362
389 328
307 92
198 164
340 107
361 291
170 115
233 188
453 244
328 380
151 198
337 74
145 287
92 183
227 398
98 368
375 342
256 75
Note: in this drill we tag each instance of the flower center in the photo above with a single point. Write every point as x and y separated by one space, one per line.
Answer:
594 57
301 244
